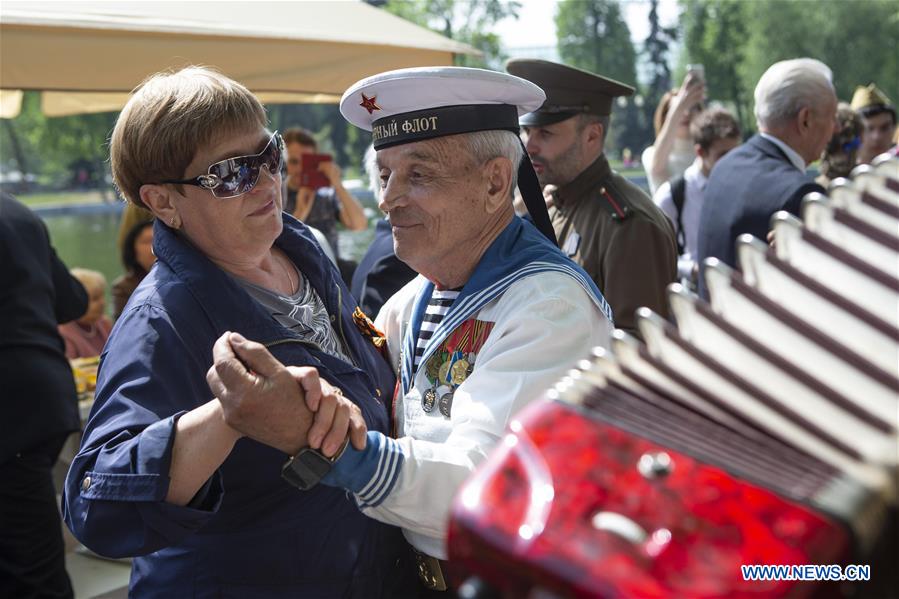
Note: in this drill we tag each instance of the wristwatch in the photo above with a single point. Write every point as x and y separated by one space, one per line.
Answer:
305 469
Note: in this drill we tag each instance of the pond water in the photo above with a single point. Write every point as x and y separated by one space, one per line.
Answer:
88 240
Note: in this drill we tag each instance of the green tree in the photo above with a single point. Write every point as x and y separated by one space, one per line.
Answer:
656 48
737 41
468 21
592 35
715 34
53 147
858 40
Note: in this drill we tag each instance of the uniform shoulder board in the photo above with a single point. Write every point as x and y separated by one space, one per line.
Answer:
614 201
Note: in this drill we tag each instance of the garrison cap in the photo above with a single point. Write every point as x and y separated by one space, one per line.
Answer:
420 103
569 91
870 98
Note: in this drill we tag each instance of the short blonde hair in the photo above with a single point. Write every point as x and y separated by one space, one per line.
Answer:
91 279
171 115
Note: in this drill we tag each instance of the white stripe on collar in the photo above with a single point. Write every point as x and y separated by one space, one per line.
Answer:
794 158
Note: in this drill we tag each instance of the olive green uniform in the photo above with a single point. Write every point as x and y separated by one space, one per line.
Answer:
604 223
612 229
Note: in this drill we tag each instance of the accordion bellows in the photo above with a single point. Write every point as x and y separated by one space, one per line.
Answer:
761 429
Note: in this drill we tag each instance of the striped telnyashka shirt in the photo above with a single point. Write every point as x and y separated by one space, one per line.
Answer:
438 306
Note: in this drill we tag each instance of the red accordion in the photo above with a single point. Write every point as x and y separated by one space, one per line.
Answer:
761 431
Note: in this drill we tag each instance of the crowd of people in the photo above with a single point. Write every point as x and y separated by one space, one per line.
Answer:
271 420
800 122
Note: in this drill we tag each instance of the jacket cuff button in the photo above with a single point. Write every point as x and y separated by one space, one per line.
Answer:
86 483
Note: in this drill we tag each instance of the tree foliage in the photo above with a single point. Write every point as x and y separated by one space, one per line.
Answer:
737 41
467 21
593 35
57 147
858 40
715 34
656 48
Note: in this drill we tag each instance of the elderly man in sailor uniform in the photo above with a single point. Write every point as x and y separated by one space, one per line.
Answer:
495 317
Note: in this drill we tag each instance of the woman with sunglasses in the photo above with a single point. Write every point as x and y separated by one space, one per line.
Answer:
160 476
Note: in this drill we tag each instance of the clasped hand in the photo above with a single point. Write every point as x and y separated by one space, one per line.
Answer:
285 407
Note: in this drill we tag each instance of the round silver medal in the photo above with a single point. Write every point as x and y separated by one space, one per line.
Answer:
446 404
429 400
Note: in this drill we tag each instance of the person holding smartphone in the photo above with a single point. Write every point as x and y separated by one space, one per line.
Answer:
315 193
672 152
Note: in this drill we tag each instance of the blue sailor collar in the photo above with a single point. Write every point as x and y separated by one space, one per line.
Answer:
519 251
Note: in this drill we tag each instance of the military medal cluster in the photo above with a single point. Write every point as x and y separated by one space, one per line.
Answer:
452 364
451 372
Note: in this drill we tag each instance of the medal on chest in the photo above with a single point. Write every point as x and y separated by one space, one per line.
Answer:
451 365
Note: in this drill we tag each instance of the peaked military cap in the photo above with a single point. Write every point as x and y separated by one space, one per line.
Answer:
569 91
870 97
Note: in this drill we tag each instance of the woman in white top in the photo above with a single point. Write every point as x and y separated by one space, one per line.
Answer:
672 151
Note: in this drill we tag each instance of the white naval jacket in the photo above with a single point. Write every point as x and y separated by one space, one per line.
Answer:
543 324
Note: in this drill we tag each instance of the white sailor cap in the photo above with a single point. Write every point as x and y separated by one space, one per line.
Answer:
409 105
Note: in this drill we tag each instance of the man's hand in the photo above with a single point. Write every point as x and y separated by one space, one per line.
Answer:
278 406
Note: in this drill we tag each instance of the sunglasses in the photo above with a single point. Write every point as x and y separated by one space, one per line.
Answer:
236 176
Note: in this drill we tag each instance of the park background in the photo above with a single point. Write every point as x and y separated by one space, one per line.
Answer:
59 165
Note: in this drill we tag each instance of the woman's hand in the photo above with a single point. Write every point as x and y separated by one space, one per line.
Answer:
335 415
690 94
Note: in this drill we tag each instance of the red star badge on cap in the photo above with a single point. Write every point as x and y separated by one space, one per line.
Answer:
369 103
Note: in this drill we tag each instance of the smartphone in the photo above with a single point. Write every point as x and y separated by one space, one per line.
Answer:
310 176
698 71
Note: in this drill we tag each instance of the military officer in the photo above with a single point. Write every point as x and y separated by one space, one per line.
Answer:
606 224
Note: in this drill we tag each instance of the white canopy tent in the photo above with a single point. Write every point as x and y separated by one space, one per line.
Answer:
88 56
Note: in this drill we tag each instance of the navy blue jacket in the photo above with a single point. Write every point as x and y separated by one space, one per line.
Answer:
247 533
380 273
746 187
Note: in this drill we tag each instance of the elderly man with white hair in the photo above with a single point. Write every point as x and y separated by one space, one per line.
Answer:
795 109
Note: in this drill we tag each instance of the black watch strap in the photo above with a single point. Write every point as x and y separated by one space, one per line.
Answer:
305 469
